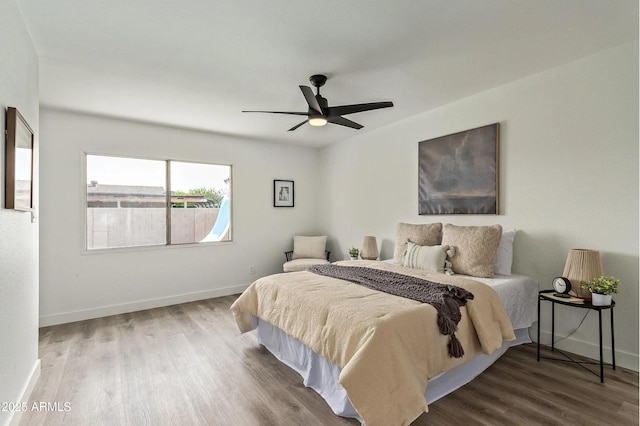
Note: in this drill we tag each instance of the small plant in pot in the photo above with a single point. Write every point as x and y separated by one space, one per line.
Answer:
353 253
601 289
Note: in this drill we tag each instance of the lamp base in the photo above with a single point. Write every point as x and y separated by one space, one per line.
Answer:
369 249
581 294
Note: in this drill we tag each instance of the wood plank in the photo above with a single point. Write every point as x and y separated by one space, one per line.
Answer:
188 365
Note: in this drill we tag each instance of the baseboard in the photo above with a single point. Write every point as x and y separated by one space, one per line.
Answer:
140 305
590 350
30 384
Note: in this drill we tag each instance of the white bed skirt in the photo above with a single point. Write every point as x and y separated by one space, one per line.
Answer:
322 376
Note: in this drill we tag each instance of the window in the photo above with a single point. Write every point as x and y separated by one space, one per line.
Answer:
135 202
200 202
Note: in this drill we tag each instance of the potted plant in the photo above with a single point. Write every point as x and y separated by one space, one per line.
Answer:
353 253
601 289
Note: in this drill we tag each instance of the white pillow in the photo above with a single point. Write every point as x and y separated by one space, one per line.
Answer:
504 255
427 258
309 247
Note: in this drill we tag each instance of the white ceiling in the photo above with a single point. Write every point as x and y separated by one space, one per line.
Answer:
197 63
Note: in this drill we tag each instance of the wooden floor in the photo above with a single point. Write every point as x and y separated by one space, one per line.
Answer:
187 365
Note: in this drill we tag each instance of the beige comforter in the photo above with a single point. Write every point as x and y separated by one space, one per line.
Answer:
387 346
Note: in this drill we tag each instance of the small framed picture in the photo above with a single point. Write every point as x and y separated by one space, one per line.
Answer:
283 193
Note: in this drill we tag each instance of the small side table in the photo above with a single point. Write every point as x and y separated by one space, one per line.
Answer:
547 295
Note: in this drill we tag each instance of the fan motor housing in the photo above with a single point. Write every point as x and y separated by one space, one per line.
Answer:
318 80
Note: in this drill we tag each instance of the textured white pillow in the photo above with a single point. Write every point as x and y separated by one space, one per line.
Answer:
309 247
504 255
476 248
427 234
427 258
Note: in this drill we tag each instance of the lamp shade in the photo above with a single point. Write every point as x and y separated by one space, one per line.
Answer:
582 265
369 248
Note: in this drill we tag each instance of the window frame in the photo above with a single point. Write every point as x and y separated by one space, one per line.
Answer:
167 206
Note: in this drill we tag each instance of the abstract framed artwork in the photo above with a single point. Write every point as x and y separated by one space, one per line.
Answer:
458 173
283 194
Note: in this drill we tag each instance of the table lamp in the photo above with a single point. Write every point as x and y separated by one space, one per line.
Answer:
369 248
582 265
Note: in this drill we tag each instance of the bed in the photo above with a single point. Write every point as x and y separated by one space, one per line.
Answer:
377 357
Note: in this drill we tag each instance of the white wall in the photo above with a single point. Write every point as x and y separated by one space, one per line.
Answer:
77 285
568 179
19 364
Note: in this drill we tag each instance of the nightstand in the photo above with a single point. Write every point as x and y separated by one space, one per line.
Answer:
574 302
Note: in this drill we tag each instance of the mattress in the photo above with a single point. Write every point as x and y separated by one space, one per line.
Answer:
517 293
519 297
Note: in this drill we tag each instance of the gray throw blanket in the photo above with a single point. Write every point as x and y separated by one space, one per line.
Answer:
447 299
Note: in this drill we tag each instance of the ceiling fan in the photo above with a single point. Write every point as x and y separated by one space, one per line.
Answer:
320 113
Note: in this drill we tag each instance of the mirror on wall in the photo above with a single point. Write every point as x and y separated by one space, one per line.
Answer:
19 162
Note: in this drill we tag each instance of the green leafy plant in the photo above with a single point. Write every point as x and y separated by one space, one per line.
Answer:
216 195
354 252
602 285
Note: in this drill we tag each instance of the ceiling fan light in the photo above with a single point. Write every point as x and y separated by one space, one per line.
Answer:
317 121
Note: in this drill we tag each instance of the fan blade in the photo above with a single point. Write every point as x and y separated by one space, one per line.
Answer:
345 122
351 109
311 99
296 126
282 112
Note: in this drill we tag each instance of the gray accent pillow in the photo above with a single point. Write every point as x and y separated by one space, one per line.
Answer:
476 248
428 234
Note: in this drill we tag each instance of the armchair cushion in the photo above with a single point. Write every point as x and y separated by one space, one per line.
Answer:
309 247
302 264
